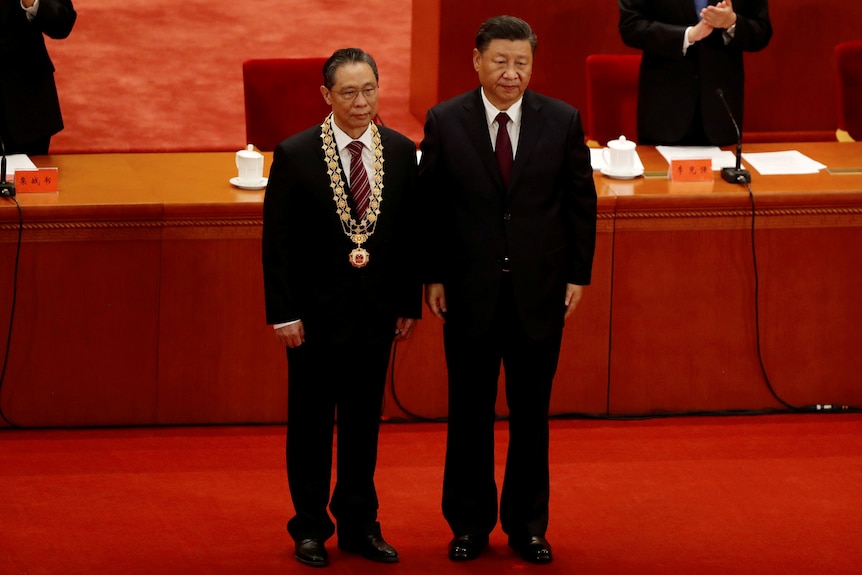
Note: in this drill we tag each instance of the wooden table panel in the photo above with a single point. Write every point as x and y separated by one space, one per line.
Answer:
85 339
811 312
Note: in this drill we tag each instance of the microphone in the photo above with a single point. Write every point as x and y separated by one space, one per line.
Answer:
737 175
7 189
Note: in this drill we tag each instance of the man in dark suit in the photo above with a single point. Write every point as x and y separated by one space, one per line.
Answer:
29 106
511 220
337 252
692 49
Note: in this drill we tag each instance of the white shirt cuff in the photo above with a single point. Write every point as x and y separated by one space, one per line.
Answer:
685 42
31 11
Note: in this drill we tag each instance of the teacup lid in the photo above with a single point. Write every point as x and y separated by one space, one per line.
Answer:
249 152
622 144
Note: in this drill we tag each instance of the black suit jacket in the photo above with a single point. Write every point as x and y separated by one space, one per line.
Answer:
307 274
29 96
545 222
671 85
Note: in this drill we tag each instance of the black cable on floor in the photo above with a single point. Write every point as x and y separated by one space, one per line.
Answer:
766 379
12 311
410 414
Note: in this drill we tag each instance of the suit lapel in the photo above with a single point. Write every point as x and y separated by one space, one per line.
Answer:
531 128
476 126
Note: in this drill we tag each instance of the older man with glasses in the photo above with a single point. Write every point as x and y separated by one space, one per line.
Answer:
338 246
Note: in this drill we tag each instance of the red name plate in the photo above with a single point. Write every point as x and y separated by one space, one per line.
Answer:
39 180
691 170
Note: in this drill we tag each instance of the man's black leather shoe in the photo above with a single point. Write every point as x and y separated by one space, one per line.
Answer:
533 549
467 547
311 552
371 547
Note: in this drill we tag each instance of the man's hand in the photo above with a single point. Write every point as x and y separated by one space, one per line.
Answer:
698 32
404 327
573 296
435 299
719 16
291 335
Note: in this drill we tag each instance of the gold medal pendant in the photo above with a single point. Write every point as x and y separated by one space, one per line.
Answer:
359 257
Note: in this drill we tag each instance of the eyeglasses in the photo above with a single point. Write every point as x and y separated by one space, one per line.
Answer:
350 95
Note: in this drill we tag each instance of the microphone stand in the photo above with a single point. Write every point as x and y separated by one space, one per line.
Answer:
737 175
7 189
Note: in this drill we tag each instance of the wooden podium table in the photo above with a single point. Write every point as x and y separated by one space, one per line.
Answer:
685 322
140 298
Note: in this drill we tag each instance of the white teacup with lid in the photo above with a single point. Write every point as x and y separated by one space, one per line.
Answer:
619 156
249 165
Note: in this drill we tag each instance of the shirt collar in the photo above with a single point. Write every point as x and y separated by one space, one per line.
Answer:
342 139
491 111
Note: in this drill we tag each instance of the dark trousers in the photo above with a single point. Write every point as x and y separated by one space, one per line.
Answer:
469 487
695 134
324 380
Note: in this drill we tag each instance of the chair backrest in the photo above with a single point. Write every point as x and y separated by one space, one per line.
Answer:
612 96
848 67
282 97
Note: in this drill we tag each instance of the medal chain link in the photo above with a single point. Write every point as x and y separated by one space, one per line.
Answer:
358 232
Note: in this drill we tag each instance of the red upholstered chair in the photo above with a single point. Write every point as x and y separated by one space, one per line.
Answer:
612 96
282 97
848 64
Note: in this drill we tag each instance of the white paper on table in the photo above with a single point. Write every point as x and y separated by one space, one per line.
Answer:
720 158
782 163
597 159
18 161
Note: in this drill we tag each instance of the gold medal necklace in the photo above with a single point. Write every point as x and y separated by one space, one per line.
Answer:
360 231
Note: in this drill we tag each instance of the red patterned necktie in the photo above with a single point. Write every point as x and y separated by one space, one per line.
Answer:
503 148
359 186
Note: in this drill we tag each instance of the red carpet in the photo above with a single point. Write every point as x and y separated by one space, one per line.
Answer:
154 75
770 494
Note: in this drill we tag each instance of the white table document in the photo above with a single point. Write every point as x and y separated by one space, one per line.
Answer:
720 158
18 161
782 163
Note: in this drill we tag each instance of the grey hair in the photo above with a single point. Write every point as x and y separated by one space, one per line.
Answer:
346 56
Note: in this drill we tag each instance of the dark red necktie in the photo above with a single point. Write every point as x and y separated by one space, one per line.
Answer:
503 148
359 186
